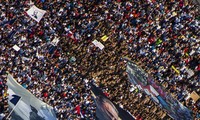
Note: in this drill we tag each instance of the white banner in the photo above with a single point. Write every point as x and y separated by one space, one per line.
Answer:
25 105
36 13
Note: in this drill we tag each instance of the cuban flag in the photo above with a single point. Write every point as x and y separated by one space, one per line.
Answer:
14 99
24 105
36 13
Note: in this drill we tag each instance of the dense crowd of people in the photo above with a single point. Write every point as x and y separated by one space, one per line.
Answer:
160 36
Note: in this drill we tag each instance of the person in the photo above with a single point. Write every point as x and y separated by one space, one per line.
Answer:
154 34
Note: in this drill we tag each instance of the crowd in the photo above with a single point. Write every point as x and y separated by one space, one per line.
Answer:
161 36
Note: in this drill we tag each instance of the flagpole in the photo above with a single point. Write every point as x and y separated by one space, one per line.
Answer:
7 11
81 114
13 109
93 94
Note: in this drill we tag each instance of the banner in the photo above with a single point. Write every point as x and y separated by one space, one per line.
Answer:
106 110
36 13
173 107
25 105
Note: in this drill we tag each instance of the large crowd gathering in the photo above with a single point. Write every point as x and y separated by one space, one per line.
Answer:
160 36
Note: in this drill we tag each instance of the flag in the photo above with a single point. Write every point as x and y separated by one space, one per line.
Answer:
70 34
15 99
158 42
104 38
158 94
177 71
106 110
25 105
36 13
78 111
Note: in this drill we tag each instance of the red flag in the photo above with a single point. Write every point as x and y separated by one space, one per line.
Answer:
198 68
106 94
70 34
45 94
78 109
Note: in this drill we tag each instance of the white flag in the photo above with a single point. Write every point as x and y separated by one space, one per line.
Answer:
25 105
36 13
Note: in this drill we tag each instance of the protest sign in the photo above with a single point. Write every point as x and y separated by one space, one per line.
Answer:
98 44
15 47
194 96
36 13
55 41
